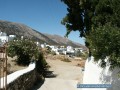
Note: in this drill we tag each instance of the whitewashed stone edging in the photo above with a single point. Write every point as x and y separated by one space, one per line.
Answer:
12 77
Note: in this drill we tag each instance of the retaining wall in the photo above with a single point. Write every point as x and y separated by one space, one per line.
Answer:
22 79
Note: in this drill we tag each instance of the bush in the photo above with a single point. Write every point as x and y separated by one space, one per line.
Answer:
25 50
65 59
84 55
41 64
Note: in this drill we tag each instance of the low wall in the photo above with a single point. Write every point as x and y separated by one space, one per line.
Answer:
94 74
22 79
24 82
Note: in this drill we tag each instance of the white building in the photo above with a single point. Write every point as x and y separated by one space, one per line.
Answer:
70 51
22 37
3 37
55 49
11 37
43 45
79 49
37 43
69 48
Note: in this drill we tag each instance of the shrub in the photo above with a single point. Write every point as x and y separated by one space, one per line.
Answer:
25 50
65 59
41 64
53 53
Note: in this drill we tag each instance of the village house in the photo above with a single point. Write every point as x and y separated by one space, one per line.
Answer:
43 45
69 50
4 38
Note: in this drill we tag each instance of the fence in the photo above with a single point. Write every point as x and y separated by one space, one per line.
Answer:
3 68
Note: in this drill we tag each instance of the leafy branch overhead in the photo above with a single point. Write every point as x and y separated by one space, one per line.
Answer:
99 22
80 13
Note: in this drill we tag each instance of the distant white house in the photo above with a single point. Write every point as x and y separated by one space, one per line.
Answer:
54 48
43 45
22 37
4 38
70 49
79 49
11 37
37 43
61 50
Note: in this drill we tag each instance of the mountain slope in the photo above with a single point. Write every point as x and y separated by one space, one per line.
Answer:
19 30
62 40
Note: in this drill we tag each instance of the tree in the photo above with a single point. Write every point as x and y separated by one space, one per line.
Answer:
79 16
99 22
105 43
25 50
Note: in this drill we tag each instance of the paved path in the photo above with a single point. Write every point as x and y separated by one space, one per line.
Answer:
67 76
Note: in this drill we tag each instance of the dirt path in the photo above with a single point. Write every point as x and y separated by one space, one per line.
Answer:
67 76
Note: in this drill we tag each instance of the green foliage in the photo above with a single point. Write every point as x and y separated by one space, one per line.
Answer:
25 50
83 15
48 49
105 43
99 22
73 20
77 9
41 64
84 55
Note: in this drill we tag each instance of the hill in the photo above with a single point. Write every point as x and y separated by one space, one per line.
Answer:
18 29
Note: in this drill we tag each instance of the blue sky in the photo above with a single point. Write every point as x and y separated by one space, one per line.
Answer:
42 15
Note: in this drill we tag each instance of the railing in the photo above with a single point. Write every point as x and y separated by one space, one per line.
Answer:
3 68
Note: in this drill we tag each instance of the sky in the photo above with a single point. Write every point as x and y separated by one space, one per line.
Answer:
42 15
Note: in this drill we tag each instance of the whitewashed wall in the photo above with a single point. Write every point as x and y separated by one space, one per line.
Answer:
94 74
15 75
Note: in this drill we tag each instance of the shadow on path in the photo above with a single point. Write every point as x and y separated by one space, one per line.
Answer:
38 85
47 74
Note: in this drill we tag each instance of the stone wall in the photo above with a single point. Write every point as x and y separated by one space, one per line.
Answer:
24 82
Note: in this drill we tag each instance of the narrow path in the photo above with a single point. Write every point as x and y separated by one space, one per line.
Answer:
67 76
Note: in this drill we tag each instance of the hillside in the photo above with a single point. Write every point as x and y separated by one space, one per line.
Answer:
19 30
